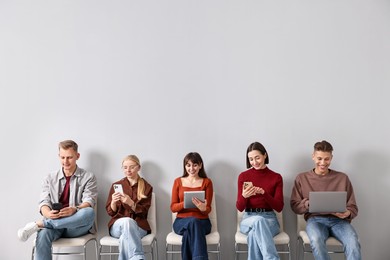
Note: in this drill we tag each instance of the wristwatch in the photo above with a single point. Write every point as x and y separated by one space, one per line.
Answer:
77 208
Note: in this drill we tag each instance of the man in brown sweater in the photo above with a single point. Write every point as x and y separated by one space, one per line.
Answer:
322 225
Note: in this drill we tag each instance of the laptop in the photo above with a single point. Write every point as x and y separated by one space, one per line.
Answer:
188 195
327 201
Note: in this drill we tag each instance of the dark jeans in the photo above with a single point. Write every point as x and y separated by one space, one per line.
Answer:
194 233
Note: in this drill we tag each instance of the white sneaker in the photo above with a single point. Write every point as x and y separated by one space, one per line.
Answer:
27 231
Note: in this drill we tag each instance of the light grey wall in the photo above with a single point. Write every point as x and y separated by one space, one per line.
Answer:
163 78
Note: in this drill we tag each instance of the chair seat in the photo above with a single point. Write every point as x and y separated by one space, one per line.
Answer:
331 241
175 239
279 239
74 241
112 241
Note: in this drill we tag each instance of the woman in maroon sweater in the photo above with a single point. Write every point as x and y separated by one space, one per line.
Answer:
260 192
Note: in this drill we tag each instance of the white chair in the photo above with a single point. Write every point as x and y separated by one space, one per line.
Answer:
303 243
281 240
174 241
74 242
149 240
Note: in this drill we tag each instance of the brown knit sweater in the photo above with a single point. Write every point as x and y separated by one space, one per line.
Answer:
310 181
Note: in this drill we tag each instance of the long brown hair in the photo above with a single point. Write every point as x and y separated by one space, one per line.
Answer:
258 147
194 157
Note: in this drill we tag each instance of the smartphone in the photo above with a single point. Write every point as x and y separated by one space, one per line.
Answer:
57 206
118 188
247 184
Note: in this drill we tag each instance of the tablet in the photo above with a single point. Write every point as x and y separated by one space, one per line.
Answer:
188 195
327 201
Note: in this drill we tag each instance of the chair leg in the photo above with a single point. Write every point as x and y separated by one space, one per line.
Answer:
235 251
32 253
166 251
85 253
152 251
96 249
299 248
169 255
155 250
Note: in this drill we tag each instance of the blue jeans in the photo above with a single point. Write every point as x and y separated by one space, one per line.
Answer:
194 233
260 227
73 226
320 228
130 235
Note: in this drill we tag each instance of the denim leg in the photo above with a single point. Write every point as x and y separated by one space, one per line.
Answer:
76 225
318 233
194 233
43 243
344 231
73 226
130 235
260 228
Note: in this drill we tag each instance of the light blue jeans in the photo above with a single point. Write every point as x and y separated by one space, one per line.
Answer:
260 227
320 228
130 235
73 226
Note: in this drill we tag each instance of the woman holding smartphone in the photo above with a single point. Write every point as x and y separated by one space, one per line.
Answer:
192 223
260 192
127 204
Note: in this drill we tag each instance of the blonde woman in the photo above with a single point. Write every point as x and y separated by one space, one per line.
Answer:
127 204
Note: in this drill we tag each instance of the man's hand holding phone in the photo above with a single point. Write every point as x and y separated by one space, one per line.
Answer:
57 206
53 212
58 211
66 212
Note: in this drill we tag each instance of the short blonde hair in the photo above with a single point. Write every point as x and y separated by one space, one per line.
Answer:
141 181
67 144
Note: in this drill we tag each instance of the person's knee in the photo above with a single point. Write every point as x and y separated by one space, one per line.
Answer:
259 222
192 220
316 240
353 245
129 223
87 213
316 237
